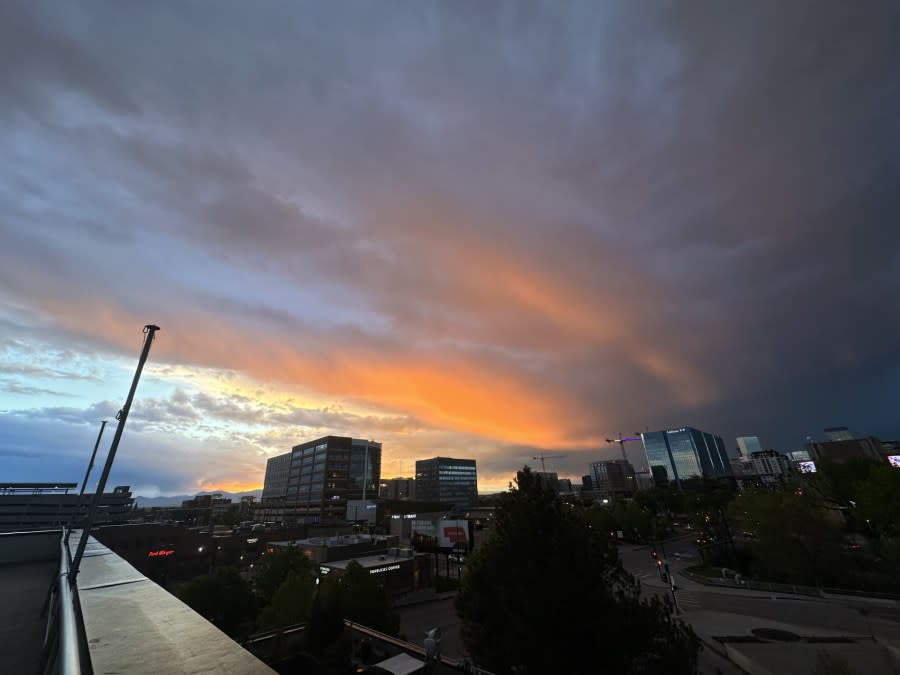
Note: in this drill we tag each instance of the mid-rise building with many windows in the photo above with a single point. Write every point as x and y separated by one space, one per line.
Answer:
448 481
677 455
398 488
321 476
613 478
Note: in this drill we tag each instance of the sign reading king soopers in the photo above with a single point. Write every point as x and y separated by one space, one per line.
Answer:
440 533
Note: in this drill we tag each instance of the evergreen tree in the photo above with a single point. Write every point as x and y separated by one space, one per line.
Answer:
546 593
291 603
364 600
274 569
224 598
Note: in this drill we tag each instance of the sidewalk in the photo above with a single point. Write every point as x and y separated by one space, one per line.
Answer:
693 581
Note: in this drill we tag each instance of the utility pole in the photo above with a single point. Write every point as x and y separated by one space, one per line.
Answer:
122 417
84 482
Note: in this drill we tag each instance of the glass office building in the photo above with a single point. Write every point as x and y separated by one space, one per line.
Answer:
321 475
447 480
676 455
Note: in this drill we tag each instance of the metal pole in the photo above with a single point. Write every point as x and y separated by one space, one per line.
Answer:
84 482
122 417
365 473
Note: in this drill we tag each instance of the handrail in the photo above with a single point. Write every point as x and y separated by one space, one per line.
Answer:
69 658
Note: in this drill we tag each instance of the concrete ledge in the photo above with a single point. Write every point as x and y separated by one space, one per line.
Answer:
132 625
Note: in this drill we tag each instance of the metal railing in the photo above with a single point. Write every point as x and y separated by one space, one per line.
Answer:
63 650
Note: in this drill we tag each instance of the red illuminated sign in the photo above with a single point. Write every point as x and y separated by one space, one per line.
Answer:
161 553
455 534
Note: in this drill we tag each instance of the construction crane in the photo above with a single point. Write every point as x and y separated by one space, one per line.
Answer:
542 458
621 440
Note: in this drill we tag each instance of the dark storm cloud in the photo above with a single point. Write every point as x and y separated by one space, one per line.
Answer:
599 216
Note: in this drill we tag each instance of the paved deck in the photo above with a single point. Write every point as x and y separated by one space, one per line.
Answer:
134 626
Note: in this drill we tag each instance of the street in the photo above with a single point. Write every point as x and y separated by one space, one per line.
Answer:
711 611
705 606
415 620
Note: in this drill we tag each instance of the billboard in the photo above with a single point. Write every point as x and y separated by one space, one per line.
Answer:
440 533
894 460
807 467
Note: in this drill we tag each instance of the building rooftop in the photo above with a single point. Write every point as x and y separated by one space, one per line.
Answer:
371 561
129 624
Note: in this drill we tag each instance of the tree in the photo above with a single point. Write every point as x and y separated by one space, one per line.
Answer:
274 569
796 538
326 621
224 598
364 600
878 502
546 593
291 603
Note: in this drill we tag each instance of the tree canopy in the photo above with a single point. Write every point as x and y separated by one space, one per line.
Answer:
274 569
546 593
224 598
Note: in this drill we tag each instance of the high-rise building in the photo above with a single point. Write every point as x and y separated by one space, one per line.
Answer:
747 445
322 475
549 479
763 468
398 488
614 478
676 455
838 434
278 470
841 451
447 481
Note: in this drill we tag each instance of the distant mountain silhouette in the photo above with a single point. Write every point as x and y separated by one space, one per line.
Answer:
175 500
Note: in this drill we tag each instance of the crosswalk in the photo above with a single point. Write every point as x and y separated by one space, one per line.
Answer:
687 601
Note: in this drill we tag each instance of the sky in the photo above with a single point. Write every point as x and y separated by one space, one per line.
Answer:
489 230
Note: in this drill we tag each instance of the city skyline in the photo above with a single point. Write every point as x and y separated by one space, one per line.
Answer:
491 233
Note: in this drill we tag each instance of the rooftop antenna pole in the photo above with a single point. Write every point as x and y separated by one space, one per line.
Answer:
84 482
122 417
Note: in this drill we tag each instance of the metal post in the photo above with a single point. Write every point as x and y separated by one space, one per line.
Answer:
122 417
365 472
84 482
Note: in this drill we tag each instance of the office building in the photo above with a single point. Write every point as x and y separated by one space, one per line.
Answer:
397 488
549 479
613 478
838 434
747 445
278 470
842 450
322 476
565 486
448 481
686 453
761 469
